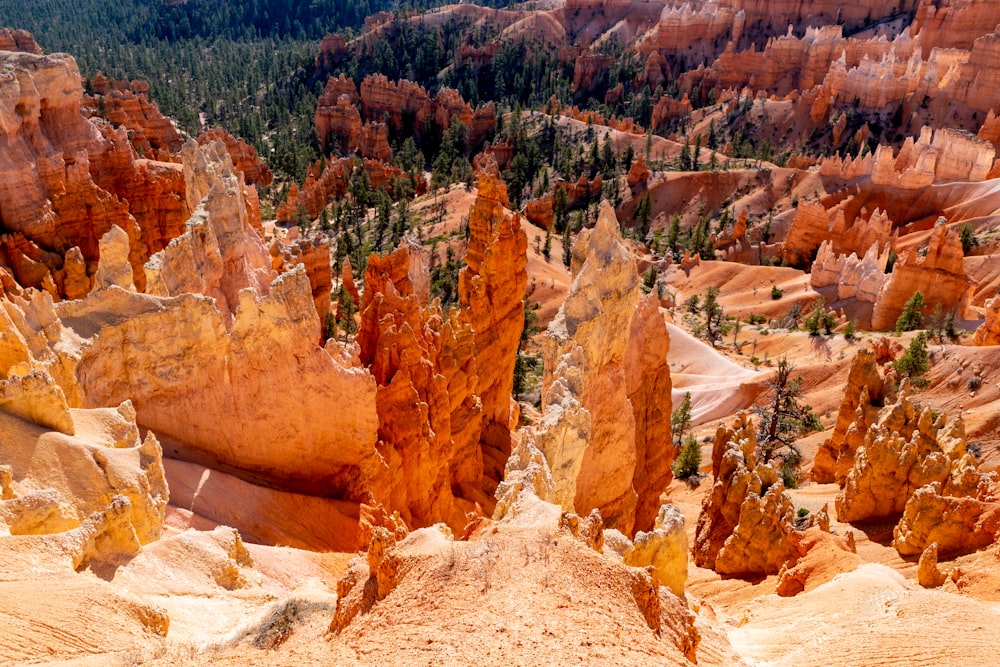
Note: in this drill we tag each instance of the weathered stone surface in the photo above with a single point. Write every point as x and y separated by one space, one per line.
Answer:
36 398
950 523
243 155
988 333
939 275
928 574
602 431
867 390
66 478
746 524
904 450
491 291
665 548
113 267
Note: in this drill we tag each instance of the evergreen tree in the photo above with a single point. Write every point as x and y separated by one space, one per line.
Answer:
782 419
680 419
915 362
911 318
689 459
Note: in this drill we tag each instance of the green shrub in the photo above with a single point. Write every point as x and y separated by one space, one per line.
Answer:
689 460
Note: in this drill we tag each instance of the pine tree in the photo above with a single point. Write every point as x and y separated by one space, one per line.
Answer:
911 318
680 419
782 420
689 459
567 243
915 363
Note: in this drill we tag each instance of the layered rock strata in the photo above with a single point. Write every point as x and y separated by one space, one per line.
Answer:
746 524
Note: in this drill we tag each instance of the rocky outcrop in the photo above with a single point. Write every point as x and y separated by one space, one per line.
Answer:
491 291
665 548
407 108
243 155
63 465
860 279
605 388
18 40
867 390
127 104
401 339
951 524
939 275
988 333
906 449
746 524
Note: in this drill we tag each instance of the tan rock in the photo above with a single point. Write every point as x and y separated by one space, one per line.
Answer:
904 450
865 392
665 548
491 291
602 430
939 276
38 399
928 574
950 523
746 524
988 333
113 267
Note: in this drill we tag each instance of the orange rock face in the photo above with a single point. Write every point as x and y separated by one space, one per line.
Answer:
988 333
244 157
939 276
491 292
408 107
605 394
127 105
400 342
18 40
904 450
867 390
746 524
65 184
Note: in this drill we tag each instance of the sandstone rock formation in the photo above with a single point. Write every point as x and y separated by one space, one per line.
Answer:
491 291
86 469
867 390
746 525
939 276
665 548
243 155
903 451
988 333
958 520
604 432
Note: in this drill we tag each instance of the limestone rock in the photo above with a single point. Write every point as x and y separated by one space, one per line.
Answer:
746 524
904 450
367 582
38 399
928 574
602 430
243 155
491 291
113 267
665 548
589 529
951 523
866 391
939 276
988 333
266 366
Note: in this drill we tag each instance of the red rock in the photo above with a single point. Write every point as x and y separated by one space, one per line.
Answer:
332 49
18 40
244 157
491 291
638 175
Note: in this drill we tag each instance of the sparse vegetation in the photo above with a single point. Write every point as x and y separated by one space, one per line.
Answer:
689 460
915 363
